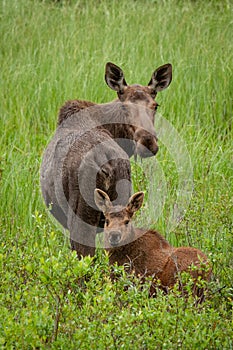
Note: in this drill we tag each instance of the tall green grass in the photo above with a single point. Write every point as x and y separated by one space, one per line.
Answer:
54 51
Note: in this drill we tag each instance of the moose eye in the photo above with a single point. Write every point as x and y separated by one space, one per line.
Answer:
156 106
106 222
126 222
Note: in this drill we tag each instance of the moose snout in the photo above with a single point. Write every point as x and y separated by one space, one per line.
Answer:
147 147
146 143
114 238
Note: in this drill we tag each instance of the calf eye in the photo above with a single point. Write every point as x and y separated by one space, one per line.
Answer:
106 222
126 222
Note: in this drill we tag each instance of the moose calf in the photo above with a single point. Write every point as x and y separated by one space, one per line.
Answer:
146 252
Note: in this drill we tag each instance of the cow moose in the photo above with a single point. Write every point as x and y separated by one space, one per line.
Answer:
146 252
91 148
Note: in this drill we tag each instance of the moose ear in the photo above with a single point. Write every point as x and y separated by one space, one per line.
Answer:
102 200
114 77
161 78
135 202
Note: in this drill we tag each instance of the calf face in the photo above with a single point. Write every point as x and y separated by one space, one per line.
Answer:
118 229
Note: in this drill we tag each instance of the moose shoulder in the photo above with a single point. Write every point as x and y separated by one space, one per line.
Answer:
91 148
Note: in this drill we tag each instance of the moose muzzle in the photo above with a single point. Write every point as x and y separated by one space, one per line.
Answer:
146 144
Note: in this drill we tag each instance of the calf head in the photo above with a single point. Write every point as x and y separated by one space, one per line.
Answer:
118 228
141 103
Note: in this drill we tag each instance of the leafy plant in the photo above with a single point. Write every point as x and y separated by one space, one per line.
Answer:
52 51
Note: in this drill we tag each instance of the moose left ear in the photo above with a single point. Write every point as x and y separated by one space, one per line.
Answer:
102 200
135 202
161 78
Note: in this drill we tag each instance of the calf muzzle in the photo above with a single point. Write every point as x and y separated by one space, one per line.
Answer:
114 238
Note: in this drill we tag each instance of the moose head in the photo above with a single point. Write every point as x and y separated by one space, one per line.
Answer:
141 105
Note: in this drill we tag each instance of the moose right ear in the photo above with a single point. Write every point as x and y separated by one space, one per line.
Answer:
114 77
135 202
161 78
102 200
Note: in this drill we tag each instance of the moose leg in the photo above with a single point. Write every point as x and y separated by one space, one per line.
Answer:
82 250
82 237
59 215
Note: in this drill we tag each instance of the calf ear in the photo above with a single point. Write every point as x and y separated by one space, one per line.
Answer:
135 202
161 78
114 77
102 200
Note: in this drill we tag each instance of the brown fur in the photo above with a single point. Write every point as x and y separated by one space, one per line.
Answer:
75 170
151 255
146 252
91 148
71 107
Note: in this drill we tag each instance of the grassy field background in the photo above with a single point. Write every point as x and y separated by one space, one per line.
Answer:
55 51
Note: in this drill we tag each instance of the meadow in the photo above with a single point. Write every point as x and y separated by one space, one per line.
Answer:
52 51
